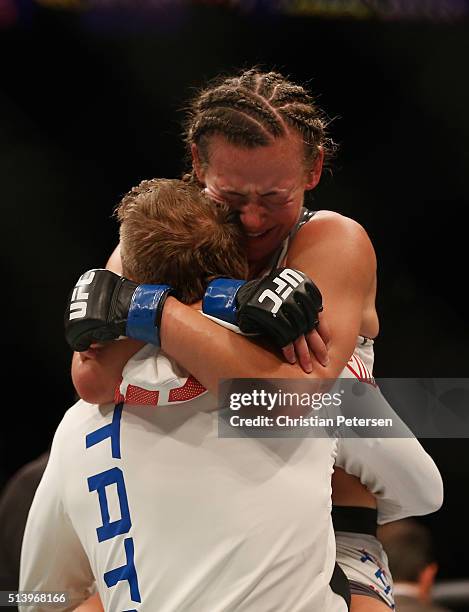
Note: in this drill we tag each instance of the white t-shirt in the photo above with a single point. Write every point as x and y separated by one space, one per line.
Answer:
212 524
196 522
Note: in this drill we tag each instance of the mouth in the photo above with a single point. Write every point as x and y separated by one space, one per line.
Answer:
257 234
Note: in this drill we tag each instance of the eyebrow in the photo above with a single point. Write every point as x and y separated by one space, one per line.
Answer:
275 192
266 193
231 192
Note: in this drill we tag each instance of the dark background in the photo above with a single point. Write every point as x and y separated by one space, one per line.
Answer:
91 103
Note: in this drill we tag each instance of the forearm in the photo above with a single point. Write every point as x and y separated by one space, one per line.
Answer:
211 352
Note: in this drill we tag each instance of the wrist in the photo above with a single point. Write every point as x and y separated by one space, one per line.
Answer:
144 315
219 300
168 318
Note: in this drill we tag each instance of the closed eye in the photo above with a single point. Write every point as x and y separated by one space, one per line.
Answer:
276 199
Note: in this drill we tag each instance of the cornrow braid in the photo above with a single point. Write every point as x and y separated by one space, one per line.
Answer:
252 110
248 102
245 113
295 93
268 84
311 127
248 79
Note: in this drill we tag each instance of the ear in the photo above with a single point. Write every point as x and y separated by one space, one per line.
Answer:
314 173
196 164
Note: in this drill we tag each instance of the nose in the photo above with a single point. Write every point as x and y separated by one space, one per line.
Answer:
252 217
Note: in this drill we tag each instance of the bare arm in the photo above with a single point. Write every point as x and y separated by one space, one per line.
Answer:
337 254
347 490
333 250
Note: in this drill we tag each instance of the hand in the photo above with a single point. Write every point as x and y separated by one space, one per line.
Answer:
282 307
104 306
316 342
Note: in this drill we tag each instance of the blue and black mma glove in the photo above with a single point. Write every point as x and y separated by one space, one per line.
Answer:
104 306
281 306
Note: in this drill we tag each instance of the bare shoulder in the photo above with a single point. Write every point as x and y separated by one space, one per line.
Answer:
336 253
326 223
334 234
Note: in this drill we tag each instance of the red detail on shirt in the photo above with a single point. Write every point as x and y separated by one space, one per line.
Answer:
360 370
142 397
189 390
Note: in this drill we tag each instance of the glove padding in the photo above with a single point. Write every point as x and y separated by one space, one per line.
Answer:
281 306
103 306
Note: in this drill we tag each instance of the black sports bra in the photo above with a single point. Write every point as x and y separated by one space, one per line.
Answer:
279 255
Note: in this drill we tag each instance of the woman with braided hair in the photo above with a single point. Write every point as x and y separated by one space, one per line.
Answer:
258 142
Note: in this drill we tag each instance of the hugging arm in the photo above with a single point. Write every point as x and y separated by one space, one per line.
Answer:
215 352
341 263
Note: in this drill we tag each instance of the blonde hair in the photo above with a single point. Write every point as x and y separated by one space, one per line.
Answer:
171 233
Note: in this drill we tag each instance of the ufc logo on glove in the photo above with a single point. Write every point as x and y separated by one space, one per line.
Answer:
286 281
280 306
105 306
79 296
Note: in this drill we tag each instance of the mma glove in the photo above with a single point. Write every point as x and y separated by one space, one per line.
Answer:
103 306
281 306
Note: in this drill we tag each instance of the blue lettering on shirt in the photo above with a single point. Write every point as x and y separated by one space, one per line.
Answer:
126 572
98 483
113 431
111 529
